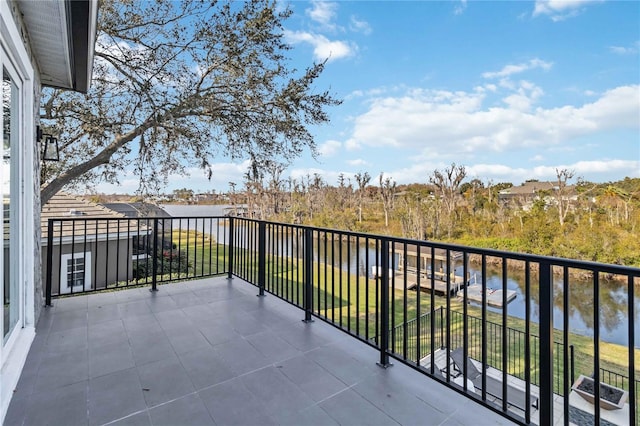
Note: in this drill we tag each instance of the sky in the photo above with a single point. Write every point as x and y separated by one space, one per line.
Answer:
512 90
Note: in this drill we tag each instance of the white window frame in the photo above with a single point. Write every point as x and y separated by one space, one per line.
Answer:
64 272
14 350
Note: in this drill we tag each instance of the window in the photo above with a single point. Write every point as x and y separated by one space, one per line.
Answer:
75 273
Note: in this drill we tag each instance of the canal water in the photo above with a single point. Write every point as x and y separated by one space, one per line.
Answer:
613 295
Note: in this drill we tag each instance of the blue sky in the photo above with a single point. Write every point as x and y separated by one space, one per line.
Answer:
512 90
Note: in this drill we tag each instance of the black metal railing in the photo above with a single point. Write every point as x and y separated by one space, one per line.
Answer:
411 300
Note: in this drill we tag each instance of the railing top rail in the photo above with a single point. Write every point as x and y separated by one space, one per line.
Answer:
554 261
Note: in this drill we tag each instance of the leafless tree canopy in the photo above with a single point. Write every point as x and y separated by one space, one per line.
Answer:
186 80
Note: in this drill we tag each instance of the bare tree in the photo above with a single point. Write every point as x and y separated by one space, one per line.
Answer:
387 192
562 194
363 180
447 184
176 81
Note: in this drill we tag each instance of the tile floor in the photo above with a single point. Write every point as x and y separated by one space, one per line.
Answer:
210 352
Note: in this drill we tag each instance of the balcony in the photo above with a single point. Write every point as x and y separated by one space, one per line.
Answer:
211 352
444 315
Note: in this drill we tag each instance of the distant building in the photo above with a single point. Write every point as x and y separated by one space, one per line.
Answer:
88 244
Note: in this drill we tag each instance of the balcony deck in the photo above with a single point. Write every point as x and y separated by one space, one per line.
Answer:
211 352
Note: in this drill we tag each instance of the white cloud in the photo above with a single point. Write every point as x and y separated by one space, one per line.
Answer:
559 10
435 123
358 162
329 148
536 158
359 26
628 50
323 48
460 7
322 12
509 70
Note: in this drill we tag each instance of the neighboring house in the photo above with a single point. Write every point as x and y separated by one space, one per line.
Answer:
42 43
137 209
527 193
91 252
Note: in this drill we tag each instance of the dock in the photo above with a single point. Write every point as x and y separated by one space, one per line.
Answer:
494 296
439 283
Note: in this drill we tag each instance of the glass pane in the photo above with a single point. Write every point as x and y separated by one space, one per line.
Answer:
9 135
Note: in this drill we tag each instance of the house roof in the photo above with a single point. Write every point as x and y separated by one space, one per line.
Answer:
91 219
137 209
62 36
529 188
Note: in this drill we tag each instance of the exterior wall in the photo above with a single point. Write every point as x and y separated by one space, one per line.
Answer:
105 270
16 52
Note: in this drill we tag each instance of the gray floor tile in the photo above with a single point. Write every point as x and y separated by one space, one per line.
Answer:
188 410
187 340
241 356
138 419
173 319
276 392
67 405
349 408
217 332
134 308
72 340
62 369
115 396
110 358
314 380
342 365
199 313
228 404
205 367
152 348
68 320
100 313
401 406
312 416
301 336
187 299
106 332
161 302
164 380
272 347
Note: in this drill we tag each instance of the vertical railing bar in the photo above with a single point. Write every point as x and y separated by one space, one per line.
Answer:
378 261
418 307
308 272
596 345
366 293
565 339
546 342
154 271
631 339
505 347
433 312
118 251
333 277
384 307
340 276
349 282
484 327
49 275
465 320
73 253
358 285
128 253
527 341
404 298
447 280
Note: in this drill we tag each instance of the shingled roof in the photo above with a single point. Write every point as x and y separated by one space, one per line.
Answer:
92 219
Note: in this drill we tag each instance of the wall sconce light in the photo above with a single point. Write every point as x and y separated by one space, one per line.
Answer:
50 151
